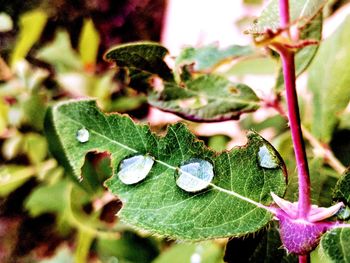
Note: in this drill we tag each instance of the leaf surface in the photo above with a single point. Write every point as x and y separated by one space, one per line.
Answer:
142 58
329 80
335 245
207 98
342 189
208 56
230 206
301 12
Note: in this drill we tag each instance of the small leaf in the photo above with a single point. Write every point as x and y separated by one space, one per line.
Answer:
207 98
335 245
301 12
31 25
60 54
232 206
329 82
89 41
208 56
47 199
143 58
13 176
342 189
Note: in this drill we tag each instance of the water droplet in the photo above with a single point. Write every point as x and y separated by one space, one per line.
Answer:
195 175
83 135
196 258
134 169
267 158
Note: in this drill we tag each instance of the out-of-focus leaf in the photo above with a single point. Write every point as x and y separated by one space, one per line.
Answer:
47 199
239 180
3 116
60 54
329 82
88 43
62 255
208 56
12 146
13 176
334 246
253 66
145 57
6 23
207 98
35 147
204 252
31 26
218 142
33 111
262 247
128 248
301 12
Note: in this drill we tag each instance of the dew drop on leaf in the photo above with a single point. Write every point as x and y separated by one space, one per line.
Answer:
195 175
83 135
267 158
134 169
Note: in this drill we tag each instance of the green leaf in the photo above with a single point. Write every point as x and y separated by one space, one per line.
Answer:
335 245
342 188
204 252
231 206
13 176
262 247
142 58
301 12
207 98
31 25
60 54
89 41
304 56
47 199
208 56
253 66
329 82
35 147
128 248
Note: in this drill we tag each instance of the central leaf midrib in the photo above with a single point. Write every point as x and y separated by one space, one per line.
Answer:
218 188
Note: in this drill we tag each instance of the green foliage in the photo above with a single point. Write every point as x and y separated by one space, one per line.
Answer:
328 82
141 58
206 252
342 189
206 98
301 12
31 24
335 245
165 205
207 57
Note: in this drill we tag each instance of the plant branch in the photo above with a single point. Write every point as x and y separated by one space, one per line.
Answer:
324 151
287 57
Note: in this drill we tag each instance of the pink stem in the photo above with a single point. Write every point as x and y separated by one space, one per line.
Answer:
288 64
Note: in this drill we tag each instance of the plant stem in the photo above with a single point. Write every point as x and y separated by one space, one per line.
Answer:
287 57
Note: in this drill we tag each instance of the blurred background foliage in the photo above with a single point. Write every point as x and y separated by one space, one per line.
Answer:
51 51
